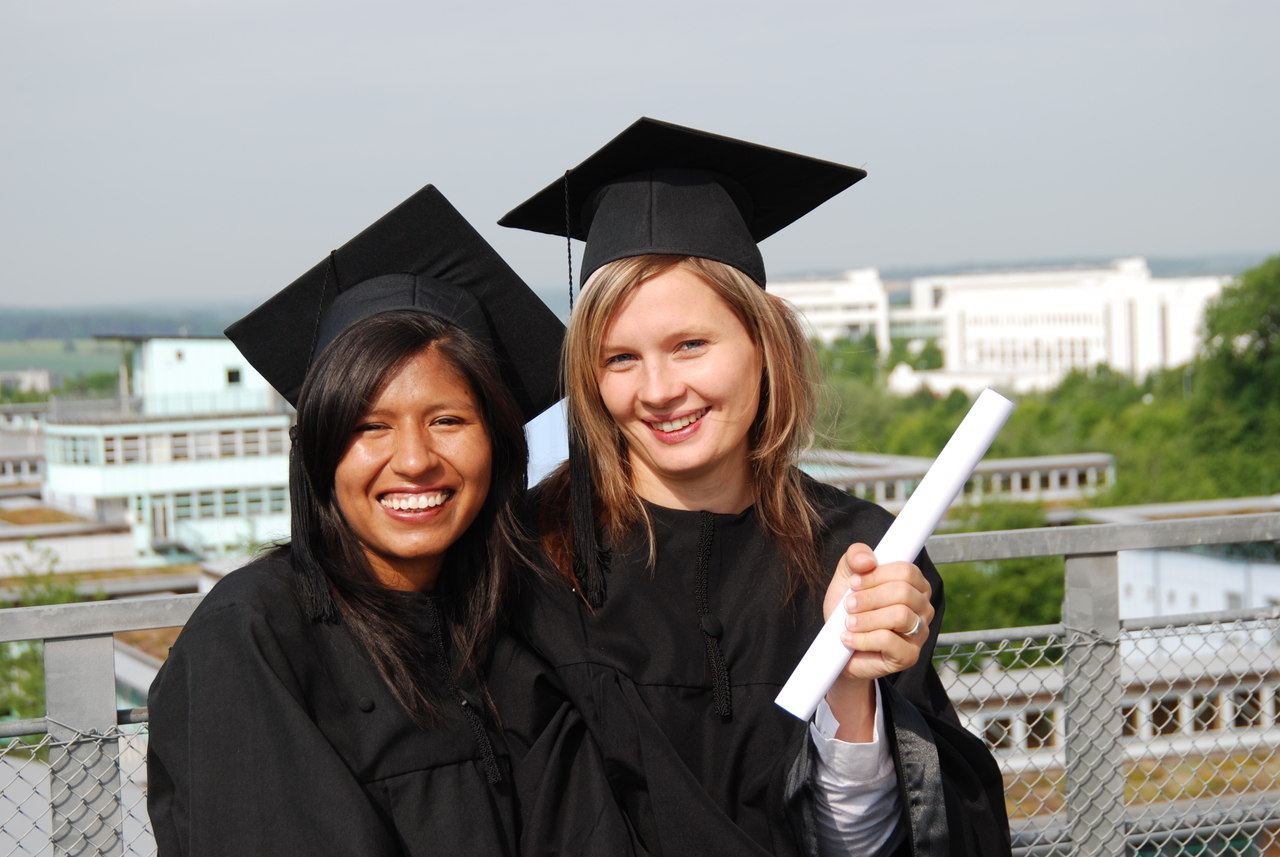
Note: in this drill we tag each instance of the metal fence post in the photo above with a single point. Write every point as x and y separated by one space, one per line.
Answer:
1094 756
84 760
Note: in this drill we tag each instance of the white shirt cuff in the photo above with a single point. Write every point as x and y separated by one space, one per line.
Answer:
856 785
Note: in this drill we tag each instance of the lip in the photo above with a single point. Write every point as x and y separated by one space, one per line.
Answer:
670 437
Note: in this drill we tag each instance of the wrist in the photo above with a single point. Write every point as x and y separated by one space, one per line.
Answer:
853 704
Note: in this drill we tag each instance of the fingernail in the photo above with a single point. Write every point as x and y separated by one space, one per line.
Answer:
851 622
855 581
851 603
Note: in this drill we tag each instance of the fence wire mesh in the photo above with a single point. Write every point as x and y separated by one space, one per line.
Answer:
1169 735
1195 766
81 797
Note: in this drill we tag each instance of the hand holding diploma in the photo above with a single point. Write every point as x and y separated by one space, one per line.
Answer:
828 655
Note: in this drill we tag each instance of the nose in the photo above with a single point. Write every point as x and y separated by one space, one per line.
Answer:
661 385
414 455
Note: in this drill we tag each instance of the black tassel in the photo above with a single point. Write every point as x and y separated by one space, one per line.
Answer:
313 585
586 552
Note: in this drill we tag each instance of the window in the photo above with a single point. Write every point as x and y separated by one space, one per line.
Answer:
132 447
1164 716
1248 705
251 438
275 441
1082 477
233 376
181 506
1024 483
204 444
208 504
1206 712
1129 727
1039 729
890 490
180 447
999 733
1044 481
227 444
231 502
1064 480
155 448
279 497
109 450
253 501
1235 601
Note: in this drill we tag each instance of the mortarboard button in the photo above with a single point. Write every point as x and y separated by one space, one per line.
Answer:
366 704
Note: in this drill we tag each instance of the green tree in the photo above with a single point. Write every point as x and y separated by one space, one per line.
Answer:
1005 594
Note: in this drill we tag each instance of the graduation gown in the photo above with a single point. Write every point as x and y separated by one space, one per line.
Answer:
676 675
272 735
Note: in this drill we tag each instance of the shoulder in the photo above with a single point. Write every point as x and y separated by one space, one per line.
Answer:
261 593
843 516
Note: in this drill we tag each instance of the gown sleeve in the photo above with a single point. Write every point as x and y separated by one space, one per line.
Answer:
567 806
237 766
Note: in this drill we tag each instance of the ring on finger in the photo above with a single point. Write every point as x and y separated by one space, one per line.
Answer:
915 629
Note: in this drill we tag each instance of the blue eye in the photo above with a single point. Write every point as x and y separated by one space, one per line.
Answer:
618 359
692 344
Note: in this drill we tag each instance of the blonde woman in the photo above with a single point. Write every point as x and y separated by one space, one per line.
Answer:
690 563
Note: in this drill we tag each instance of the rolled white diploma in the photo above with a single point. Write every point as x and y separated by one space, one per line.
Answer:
827 655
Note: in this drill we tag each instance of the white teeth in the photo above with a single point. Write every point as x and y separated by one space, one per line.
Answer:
404 502
676 425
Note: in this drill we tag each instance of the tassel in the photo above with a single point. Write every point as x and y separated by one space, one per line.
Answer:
586 553
313 584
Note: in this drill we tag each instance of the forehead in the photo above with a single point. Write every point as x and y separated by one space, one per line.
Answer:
674 302
425 379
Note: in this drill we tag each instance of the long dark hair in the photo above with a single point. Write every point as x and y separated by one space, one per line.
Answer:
335 580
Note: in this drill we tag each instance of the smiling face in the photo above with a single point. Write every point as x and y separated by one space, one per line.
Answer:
415 471
680 376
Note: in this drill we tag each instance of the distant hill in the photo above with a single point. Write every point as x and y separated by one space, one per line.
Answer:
17 324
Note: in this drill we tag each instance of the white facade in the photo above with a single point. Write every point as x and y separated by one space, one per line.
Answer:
849 307
196 459
1021 330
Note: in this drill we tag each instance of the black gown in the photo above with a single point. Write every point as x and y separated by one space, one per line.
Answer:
676 676
272 735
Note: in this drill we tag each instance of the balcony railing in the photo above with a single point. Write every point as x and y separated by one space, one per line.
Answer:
1146 736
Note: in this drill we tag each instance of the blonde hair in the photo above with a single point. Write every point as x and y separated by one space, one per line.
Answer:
782 427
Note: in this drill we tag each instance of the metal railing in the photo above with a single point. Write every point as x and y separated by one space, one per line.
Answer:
1077 713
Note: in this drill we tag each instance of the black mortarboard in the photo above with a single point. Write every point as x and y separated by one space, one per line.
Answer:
422 255
666 189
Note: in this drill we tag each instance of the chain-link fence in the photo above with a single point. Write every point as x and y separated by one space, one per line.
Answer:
1193 746
1116 737
85 796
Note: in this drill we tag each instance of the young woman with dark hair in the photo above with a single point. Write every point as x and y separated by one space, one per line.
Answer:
331 697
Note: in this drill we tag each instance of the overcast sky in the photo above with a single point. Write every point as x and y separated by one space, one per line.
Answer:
213 151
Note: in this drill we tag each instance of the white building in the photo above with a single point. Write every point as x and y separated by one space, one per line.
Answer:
195 457
1018 330
849 307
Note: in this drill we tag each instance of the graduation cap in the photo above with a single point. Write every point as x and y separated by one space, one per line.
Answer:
422 255
659 188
